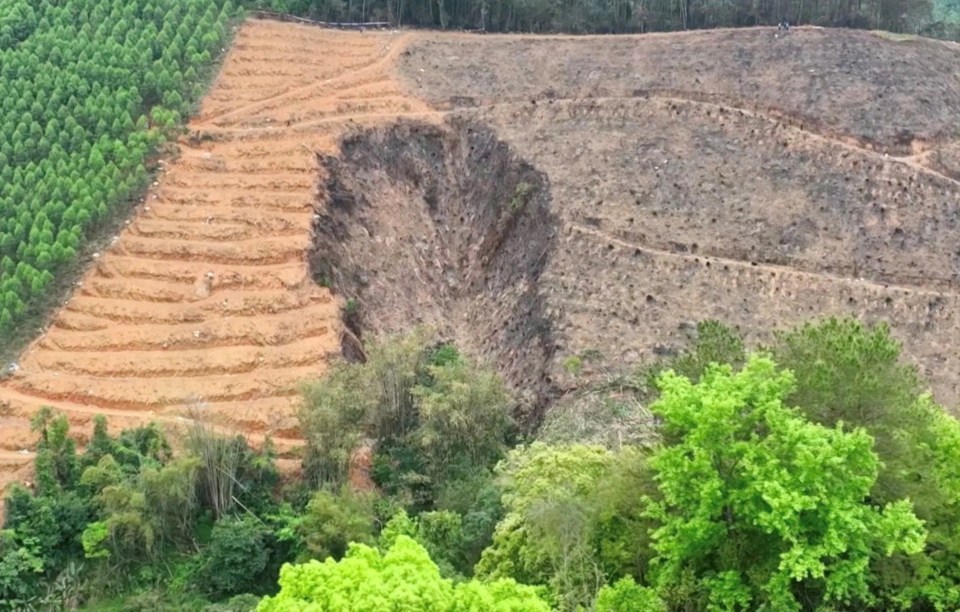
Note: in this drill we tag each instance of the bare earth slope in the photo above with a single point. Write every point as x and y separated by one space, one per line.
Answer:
535 197
761 181
205 297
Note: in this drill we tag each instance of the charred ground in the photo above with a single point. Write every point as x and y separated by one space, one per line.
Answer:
728 175
443 226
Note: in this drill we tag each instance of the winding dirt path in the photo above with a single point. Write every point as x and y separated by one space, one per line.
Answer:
205 298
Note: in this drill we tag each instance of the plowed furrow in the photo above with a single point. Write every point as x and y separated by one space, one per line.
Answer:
143 364
141 394
263 251
81 417
244 216
294 166
142 291
17 436
239 303
238 296
289 183
259 200
108 311
279 189
268 330
76 321
271 276
275 416
213 231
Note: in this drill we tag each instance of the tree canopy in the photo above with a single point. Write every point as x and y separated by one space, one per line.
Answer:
760 507
931 17
87 90
402 578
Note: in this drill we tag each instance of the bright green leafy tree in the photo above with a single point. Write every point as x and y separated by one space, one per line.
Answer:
760 507
851 373
403 578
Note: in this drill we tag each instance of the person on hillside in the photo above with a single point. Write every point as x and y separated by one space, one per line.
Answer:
784 25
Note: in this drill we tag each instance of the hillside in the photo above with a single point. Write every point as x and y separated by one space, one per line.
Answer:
732 175
652 181
205 299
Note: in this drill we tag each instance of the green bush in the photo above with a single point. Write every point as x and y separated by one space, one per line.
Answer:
431 416
625 595
332 521
402 578
236 556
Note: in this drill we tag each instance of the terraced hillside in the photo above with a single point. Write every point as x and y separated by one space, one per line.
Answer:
205 298
535 197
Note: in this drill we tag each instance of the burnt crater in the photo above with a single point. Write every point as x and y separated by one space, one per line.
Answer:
444 226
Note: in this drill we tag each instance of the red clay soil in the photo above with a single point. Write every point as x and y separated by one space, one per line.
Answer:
205 299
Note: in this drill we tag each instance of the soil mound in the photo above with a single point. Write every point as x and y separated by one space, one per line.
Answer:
444 226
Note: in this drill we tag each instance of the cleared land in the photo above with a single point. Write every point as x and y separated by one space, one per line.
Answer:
534 197
731 174
205 298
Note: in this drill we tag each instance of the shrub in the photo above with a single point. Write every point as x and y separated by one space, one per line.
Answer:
236 556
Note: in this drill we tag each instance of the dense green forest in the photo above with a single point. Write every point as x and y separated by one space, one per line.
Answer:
87 90
811 474
936 18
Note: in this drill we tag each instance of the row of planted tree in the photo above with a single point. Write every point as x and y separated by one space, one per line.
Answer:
811 474
88 88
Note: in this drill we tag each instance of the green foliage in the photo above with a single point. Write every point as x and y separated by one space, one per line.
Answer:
847 501
625 595
21 567
56 462
631 16
236 556
761 507
431 416
18 20
332 521
847 372
93 540
78 81
573 365
402 578
237 603
462 418
853 374
135 523
568 523
440 533
715 343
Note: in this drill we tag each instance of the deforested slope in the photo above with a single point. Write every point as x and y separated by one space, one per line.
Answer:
734 175
535 198
205 298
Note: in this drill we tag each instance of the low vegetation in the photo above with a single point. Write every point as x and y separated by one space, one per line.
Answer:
813 473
